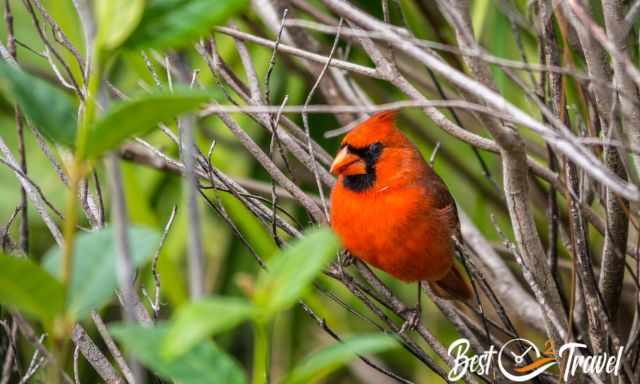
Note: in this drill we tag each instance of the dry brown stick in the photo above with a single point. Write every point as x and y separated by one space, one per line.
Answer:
390 300
9 359
449 310
330 89
437 116
581 254
272 169
120 223
615 241
400 309
23 177
360 293
324 326
24 216
155 303
600 327
136 154
615 246
253 204
337 109
36 198
586 22
30 334
35 364
59 35
604 83
305 121
113 348
269 120
275 121
294 145
95 357
550 55
285 48
76 87
482 55
614 12
616 225
515 170
503 281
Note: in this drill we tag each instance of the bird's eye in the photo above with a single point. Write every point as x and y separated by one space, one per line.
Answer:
375 149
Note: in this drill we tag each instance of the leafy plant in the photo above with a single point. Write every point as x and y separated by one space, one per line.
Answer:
24 285
325 361
169 349
117 19
49 109
287 277
197 321
94 277
38 290
202 364
138 116
175 23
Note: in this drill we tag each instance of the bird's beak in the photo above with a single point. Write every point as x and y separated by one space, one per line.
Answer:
347 163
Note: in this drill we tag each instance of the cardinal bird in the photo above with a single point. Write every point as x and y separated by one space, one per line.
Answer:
391 210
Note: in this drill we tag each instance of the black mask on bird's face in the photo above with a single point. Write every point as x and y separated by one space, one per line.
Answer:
357 165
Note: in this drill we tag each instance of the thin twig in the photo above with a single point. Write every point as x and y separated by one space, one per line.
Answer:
112 347
155 304
305 119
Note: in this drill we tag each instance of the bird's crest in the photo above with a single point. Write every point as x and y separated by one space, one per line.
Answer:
378 128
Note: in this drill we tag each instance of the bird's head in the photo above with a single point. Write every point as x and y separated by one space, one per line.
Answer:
364 147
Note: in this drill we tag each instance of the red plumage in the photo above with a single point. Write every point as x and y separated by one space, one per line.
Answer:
391 209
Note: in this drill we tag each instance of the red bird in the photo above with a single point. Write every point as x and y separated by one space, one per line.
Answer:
391 210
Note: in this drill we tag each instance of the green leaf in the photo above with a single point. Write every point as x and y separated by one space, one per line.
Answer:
203 364
331 358
195 322
177 23
291 272
139 116
94 276
29 288
116 20
48 107
479 12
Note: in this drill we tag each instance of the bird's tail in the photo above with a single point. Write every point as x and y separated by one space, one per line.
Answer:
453 286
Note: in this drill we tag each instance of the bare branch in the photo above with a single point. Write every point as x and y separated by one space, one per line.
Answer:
95 357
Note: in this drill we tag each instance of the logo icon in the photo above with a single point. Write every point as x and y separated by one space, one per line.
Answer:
522 371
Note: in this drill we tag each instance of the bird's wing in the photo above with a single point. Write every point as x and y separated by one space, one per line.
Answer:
441 198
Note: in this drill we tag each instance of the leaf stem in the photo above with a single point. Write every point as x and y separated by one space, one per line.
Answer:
78 167
261 353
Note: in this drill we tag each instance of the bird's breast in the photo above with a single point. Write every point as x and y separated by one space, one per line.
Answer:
393 229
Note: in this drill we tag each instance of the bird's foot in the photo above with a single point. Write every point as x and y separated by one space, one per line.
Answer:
346 260
412 319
